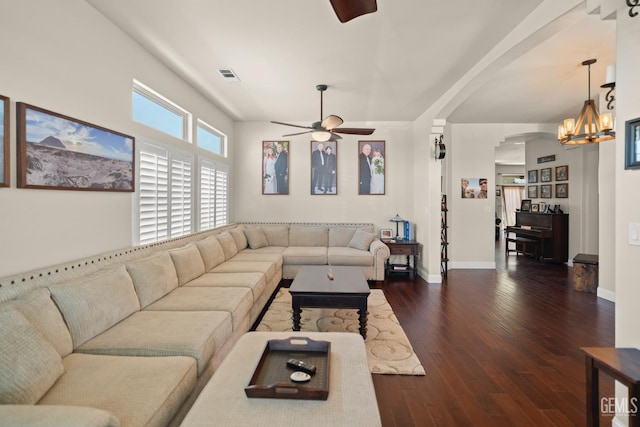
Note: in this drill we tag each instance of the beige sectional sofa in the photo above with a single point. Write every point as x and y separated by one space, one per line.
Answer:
130 337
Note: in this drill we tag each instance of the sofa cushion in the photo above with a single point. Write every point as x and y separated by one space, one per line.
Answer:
254 280
268 268
139 391
349 256
165 333
295 255
188 263
308 236
237 301
211 252
239 238
153 277
362 240
340 236
228 244
39 309
256 238
250 255
94 303
277 235
29 364
56 415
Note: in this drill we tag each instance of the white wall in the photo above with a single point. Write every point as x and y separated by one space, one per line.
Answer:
66 57
627 182
347 206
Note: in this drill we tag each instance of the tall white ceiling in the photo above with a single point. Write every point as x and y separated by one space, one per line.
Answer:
391 65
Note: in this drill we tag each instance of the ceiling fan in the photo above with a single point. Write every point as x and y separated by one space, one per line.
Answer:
349 9
326 129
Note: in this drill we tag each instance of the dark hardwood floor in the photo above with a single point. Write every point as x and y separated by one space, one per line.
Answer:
500 347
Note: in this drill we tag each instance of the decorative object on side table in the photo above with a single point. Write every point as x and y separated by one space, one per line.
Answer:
397 219
386 234
525 205
401 247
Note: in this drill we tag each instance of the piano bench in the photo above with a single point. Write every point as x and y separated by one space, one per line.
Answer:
522 243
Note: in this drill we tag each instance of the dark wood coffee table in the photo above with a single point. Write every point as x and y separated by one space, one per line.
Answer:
312 288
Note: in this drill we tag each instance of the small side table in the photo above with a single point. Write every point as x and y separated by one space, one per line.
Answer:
623 365
403 247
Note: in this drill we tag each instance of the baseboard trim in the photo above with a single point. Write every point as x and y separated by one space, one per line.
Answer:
606 294
473 265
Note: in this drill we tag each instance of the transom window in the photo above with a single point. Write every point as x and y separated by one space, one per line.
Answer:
152 109
210 139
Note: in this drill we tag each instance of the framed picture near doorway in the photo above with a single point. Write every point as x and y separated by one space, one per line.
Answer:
545 191
532 176
371 167
532 191
545 175
562 191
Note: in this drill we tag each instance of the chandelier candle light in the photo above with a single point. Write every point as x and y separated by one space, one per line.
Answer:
597 127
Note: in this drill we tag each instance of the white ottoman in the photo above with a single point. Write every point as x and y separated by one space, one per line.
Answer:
352 399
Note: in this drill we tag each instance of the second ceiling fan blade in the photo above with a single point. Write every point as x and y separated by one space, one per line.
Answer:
346 10
354 131
289 124
298 133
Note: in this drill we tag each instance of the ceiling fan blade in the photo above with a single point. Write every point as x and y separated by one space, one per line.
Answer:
346 10
289 124
298 133
335 137
354 131
331 122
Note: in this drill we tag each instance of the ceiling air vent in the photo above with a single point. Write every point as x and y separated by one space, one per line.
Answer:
228 75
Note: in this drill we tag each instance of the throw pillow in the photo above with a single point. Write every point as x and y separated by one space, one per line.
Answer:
240 238
211 251
188 263
29 365
153 277
256 238
362 240
229 246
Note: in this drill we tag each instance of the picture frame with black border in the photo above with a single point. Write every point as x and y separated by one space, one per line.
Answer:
632 144
562 191
532 191
562 173
525 205
546 191
545 175
532 176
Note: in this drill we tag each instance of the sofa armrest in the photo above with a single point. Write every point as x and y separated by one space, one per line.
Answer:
381 254
55 415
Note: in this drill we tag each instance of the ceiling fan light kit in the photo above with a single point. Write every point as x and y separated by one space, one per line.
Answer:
326 129
597 127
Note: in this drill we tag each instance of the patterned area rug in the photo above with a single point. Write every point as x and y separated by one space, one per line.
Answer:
388 348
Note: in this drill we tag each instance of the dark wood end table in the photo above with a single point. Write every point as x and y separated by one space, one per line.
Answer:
403 247
312 288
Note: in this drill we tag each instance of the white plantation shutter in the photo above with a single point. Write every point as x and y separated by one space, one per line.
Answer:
214 195
153 206
180 196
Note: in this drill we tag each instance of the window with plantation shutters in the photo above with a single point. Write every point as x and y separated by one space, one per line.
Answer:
214 195
165 196
153 198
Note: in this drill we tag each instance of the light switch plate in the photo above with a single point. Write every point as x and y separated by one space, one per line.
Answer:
634 233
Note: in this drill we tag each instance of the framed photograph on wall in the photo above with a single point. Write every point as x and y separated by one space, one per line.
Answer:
545 175
532 176
532 191
57 152
632 144
371 167
4 141
545 191
525 205
562 173
562 191
275 167
324 169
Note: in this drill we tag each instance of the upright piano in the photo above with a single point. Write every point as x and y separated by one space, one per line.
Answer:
549 229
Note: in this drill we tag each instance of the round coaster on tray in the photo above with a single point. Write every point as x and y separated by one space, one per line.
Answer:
300 377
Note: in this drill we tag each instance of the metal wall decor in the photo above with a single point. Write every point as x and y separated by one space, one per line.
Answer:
633 4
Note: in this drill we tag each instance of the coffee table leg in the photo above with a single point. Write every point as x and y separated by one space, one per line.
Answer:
295 305
362 315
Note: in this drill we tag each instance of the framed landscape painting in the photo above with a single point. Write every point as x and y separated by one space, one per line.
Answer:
4 141
275 167
57 152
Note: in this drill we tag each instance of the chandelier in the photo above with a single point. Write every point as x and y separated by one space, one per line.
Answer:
597 127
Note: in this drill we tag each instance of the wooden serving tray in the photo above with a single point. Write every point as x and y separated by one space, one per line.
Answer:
271 377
